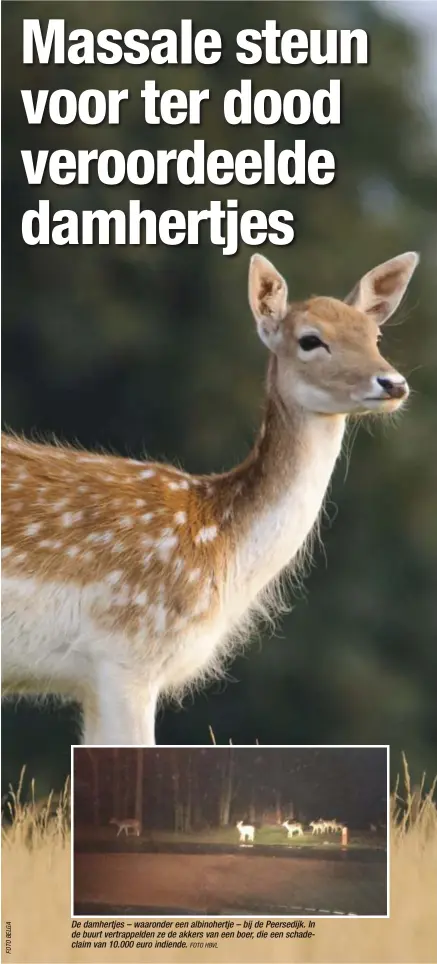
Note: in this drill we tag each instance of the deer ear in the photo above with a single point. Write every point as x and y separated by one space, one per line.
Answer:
381 290
268 295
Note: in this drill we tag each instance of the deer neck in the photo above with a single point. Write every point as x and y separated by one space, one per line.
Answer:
279 490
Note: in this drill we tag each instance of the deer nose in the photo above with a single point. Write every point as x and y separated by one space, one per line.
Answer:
395 387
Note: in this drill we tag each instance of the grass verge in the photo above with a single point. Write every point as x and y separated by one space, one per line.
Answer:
36 898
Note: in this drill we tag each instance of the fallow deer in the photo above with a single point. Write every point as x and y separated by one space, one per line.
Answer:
293 828
319 826
125 581
127 826
332 826
246 831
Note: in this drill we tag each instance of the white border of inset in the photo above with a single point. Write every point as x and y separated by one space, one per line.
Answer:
334 915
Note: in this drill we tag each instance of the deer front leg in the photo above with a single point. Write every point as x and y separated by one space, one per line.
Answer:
121 713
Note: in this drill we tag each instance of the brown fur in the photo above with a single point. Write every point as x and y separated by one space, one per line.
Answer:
130 579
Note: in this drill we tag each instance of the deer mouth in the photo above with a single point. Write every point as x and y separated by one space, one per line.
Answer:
381 398
395 396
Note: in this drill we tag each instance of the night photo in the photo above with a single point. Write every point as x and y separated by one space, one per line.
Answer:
230 830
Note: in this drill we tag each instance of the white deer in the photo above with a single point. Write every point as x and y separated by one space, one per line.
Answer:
332 826
246 831
319 826
293 828
127 826
126 581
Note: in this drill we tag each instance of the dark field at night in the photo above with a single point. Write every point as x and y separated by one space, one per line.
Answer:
230 830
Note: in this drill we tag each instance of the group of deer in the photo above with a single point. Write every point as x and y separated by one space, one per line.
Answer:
326 826
318 826
125 581
247 831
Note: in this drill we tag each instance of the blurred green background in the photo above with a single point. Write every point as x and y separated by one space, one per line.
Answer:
137 348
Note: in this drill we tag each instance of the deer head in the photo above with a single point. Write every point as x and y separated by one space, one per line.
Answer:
326 351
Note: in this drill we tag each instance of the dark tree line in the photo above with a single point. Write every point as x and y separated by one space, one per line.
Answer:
194 789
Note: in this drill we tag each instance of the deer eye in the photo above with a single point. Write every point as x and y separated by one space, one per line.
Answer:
309 342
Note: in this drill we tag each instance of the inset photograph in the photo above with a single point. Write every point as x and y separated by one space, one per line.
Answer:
231 831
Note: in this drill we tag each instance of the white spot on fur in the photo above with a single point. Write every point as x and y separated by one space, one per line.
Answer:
103 537
180 518
193 576
140 502
147 474
69 518
159 613
206 534
32 529
184 484
73 551
141 599
126 521
204 600
165 544
92 458
61 504
6 551
114 577
146 517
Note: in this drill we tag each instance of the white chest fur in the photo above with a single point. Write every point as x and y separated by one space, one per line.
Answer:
279 527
